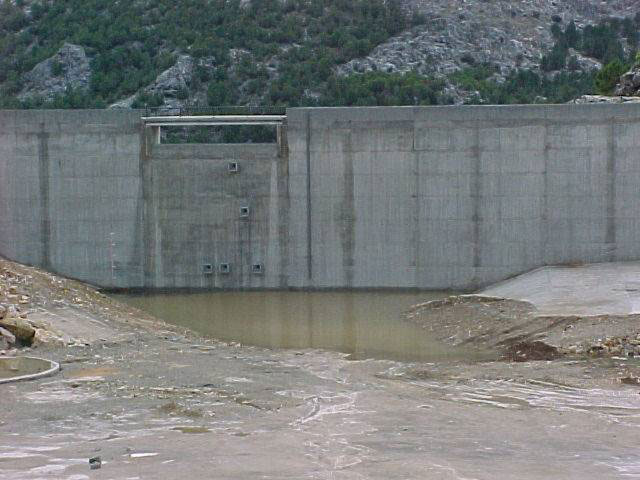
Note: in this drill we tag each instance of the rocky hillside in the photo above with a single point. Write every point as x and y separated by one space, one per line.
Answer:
163 53
455 35
508 34
629 84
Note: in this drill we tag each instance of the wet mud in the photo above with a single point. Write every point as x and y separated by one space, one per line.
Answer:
246 411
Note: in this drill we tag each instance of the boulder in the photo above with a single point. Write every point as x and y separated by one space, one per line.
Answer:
20 328
46 337
7 339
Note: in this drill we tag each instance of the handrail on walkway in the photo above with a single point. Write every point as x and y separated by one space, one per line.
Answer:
213 120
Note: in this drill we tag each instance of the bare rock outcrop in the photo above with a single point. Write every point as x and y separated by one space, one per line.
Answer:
627 90
14 328
605 99
457 33
629 84
68 68
169 85
176 78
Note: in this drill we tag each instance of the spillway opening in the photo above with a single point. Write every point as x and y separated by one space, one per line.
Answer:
233 134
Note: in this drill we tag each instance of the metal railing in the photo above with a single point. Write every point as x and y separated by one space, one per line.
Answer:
211 120
250 124
197 110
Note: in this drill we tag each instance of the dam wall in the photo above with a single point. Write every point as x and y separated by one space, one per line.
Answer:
214 216
460 197
70 193
398 197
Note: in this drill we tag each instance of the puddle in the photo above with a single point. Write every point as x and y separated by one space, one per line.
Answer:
362 324
192 429
25 368
93 372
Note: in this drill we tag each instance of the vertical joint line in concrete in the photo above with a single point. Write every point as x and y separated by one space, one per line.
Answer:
283 213
544 224
610 237
348 216
417 212
149 214
281 134
43 158
476 186
309 232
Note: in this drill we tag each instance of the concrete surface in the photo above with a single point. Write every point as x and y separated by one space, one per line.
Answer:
70 193
598 289
193 218
460 197
393 197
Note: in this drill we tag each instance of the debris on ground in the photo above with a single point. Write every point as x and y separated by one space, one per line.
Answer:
41 309
526 351
95 463
519 332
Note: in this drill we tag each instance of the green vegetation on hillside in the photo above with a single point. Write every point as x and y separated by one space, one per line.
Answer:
377 88
602 42
278 52
524 86
131 42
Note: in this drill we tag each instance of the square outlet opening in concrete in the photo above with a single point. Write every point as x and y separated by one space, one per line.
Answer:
257 268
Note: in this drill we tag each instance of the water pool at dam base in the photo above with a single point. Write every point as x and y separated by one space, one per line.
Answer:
362 324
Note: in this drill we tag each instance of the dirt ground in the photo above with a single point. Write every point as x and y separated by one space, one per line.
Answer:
500 324
155 401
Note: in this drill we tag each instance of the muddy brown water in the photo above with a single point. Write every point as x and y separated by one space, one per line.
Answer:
11 367
363 324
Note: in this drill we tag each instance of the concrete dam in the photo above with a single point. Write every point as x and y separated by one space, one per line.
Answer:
380 197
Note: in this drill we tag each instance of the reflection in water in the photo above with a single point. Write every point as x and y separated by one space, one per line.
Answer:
363 324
